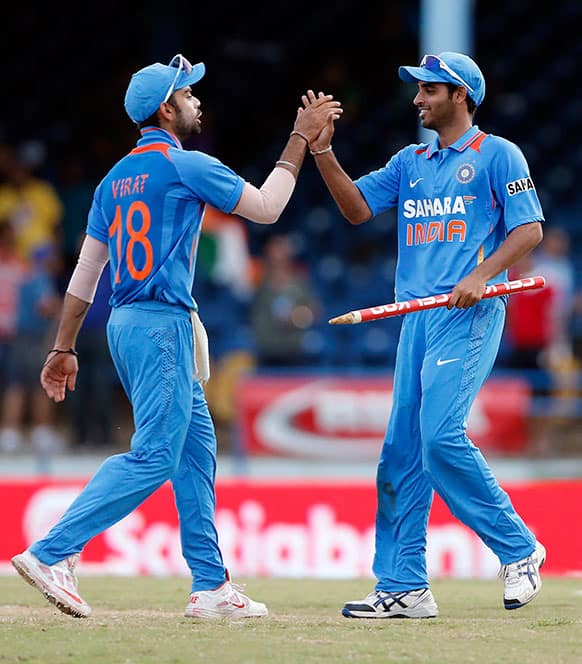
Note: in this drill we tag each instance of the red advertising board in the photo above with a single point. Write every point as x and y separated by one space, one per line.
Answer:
345 418
320 529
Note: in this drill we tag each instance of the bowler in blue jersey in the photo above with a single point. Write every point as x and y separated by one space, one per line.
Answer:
145 222
467 210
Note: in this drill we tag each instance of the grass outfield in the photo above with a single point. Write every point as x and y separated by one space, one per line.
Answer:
139 621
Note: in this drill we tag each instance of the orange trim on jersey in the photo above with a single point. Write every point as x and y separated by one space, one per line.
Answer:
154 147
474 142
421 150
476 145
480 255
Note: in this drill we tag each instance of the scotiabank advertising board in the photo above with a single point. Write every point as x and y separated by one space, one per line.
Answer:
283 528
345 418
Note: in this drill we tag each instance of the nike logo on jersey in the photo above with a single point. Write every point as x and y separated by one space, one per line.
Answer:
441 362
414 183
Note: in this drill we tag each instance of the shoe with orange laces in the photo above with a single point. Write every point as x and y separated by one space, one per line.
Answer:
226 601
58 582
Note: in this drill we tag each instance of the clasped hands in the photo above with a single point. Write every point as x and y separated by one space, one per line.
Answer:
315 120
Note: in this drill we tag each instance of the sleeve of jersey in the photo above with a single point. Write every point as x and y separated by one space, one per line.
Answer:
380 187
210 180
96 225
514 187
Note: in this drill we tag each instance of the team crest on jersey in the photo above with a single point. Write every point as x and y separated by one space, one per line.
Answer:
465 173
517 186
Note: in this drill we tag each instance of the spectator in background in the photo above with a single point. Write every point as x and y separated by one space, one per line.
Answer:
284 307
30 203
577 327
38 304
224 254
529 328
552 260
539 324
75 190
539 339
12 270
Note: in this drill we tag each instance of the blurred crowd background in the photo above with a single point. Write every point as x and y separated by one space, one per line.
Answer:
266 292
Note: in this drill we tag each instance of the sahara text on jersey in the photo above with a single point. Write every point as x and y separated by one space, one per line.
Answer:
431 207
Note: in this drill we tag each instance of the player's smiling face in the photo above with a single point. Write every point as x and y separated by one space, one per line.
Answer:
435 107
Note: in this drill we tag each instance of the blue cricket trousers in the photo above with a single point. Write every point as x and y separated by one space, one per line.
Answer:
152 347
443 359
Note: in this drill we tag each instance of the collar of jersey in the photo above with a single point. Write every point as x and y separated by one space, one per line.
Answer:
459 145
151 135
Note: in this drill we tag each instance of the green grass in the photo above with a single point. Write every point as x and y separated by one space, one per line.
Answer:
139 621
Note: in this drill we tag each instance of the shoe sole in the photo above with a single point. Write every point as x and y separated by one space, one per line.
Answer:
214 615
27 574
347 614
513 606
422 615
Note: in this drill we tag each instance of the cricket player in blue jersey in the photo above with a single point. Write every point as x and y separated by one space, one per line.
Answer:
467 210
145 221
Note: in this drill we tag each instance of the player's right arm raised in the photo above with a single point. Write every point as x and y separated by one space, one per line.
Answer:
347 196
266 204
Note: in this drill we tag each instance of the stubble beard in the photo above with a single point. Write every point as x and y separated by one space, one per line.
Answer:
185 129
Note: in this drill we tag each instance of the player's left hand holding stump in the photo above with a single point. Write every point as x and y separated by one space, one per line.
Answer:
467 292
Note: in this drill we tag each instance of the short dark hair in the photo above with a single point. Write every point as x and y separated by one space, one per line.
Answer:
153 120
471 105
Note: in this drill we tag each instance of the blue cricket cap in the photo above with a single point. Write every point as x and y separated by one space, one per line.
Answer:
152 85
448 67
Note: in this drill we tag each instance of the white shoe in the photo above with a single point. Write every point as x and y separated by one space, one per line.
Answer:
522 579
58 582
226 601
402 604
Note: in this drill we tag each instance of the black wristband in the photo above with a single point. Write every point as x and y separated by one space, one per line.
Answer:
70 351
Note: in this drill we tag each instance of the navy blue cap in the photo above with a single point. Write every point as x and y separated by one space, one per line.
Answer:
152 85
448 67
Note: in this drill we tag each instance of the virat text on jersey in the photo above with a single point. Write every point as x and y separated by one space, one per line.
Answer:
129 186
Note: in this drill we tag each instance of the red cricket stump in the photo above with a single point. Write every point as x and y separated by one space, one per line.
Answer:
432 301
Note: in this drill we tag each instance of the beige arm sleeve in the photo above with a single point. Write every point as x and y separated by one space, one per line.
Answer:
265 205
92 259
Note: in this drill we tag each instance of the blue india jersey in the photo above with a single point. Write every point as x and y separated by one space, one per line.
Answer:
149 209
455 207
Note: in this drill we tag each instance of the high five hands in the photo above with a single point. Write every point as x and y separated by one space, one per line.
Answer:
316 119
